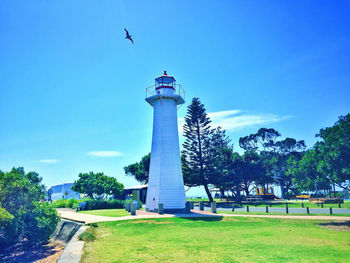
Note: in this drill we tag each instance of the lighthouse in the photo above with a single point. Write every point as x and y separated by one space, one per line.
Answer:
165 183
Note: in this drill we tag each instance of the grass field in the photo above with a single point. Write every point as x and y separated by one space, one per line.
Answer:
217 240
106 212
264 213
291 203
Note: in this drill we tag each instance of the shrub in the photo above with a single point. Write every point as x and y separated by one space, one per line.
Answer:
87 236
22 217
104 204
93 225
5 217
61 203
65 203
41 222
6 223
72 202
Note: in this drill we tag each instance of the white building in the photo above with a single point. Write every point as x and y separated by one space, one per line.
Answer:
165 184
62 191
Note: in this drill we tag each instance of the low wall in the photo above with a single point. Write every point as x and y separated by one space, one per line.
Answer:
65 230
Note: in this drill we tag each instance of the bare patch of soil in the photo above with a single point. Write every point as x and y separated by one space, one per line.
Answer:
44 253
338 226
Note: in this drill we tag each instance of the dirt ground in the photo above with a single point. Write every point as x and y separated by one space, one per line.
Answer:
338 226
48 253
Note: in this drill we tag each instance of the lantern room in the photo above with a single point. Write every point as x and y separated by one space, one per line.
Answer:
165 84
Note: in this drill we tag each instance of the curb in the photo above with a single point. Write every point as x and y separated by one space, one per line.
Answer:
70 219
74 249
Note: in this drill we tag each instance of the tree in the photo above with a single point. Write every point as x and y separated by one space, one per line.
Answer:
334 148
307 175
327 163
139 170
263 143
196 148
22 216
274 154
253 169
285 149
97 184
219 146
229 166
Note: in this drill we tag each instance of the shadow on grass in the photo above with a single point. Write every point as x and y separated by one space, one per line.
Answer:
208 218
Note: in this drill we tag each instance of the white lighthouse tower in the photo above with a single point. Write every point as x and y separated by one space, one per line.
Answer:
165 183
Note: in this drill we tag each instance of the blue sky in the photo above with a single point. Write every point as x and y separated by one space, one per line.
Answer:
73 89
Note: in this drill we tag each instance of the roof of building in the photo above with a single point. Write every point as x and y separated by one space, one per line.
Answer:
136 187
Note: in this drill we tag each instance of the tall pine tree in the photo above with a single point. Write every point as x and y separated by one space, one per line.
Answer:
196 155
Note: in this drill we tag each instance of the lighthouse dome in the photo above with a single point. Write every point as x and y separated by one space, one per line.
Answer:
165 84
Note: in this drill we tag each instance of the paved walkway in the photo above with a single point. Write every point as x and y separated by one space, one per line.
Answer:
70 214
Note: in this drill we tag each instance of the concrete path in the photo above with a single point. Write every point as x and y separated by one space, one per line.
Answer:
70 214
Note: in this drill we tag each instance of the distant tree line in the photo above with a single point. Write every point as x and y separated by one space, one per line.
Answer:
98 185
208 158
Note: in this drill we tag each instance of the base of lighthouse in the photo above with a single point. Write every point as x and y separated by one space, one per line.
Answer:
165 184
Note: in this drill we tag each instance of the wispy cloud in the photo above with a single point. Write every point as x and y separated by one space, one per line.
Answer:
49 161
105 153
233 120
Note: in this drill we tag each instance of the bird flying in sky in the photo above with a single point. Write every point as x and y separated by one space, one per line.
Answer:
128 36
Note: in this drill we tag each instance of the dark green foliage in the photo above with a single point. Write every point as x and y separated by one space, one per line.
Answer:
66 203
22 217
40 222
228 169
197 158
263 140
238 172
7 226
253 169
104 204
274 155
87 236
139 170
334 149
327 163
97 184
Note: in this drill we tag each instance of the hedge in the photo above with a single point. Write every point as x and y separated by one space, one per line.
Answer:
104 204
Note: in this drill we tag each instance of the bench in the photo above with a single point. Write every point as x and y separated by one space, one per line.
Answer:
81 206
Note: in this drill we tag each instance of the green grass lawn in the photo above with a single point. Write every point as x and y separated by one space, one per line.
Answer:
106 212
269 213
217 240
